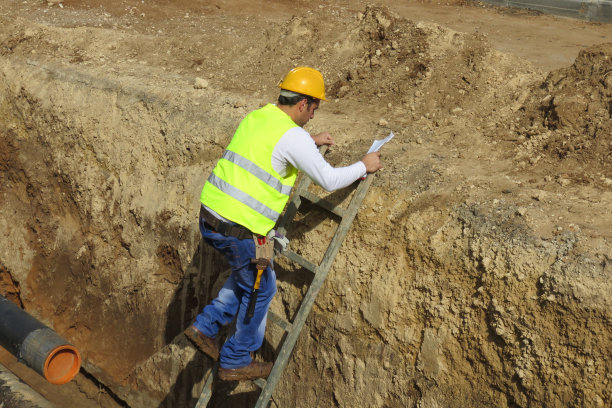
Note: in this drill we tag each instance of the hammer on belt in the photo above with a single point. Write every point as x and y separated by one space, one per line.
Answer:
263 256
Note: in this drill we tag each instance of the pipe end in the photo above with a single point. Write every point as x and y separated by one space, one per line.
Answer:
62 364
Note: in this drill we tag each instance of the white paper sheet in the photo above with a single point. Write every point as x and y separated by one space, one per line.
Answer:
377 144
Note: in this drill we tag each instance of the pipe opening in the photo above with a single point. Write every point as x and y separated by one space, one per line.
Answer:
62 364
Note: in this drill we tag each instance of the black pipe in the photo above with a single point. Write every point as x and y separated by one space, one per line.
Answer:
38 346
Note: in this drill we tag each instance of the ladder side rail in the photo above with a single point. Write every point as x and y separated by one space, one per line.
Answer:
345 224
206 393
283 357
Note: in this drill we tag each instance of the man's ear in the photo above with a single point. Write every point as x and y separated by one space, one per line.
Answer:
302 104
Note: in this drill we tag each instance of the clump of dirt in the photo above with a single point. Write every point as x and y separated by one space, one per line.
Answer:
9 288
8 150
169 263
568 117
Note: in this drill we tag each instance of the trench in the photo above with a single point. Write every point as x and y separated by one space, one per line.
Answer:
431 301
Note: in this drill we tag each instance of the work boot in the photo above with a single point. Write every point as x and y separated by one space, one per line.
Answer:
205 344
254 370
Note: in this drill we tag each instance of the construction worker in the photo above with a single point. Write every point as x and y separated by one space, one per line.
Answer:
241 202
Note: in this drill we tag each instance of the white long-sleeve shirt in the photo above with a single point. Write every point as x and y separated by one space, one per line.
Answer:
297 148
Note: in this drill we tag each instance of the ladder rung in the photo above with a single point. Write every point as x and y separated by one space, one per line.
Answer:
279 321
260 382
301 261
323 203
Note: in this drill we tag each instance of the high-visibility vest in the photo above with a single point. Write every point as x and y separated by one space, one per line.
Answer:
243 187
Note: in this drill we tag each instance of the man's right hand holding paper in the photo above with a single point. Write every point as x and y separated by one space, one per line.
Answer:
372 162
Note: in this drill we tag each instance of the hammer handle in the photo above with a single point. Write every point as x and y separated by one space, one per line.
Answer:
253 300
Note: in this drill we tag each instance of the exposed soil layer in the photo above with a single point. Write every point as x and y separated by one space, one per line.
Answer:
476 272
567 118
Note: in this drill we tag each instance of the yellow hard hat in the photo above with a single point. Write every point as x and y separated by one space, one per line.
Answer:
306 81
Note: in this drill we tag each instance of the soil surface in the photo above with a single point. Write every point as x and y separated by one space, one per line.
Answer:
476 273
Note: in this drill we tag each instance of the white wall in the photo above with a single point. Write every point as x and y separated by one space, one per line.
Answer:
592 10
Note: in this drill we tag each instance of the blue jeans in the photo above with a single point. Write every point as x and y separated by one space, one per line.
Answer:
233 299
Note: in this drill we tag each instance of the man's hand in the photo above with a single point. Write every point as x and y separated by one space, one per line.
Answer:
281 242
372 162
323 138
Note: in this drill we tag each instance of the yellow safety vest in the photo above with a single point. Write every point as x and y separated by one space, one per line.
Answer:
243 187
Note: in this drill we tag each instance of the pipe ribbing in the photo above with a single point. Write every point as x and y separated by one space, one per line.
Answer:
38 346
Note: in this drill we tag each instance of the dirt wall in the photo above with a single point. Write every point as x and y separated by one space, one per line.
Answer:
476 270
99 256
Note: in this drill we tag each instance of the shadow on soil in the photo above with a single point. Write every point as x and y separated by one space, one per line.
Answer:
199 284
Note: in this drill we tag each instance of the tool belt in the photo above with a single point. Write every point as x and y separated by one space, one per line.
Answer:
264 250
225 228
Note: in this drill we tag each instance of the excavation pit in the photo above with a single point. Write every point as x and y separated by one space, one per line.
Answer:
476 271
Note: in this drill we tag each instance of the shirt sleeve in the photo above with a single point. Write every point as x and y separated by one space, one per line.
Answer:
297 148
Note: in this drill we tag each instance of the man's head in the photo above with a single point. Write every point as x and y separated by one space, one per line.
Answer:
301 90
302 107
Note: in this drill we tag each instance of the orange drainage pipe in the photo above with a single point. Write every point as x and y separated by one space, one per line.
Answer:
38 346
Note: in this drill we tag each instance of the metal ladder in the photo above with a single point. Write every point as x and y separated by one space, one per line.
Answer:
320 271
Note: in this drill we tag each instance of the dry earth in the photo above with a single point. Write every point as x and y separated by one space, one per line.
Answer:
476 273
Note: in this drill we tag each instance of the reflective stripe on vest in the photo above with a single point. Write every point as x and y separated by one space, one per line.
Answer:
257 172
244 198
244 187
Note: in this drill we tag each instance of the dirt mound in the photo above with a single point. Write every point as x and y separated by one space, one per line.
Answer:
367 61
567 118
390 57
383 57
